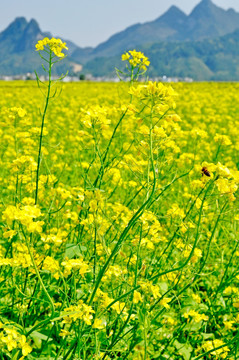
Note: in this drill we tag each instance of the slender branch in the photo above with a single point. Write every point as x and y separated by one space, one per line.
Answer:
42 128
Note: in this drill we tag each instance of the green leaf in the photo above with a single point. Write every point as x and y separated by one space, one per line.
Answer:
163 286
184 350
221 302
207 336
72 250
38 337
193 326
16 355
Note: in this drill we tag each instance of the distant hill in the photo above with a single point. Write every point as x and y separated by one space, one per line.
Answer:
209 59
202 45
206 21
17 48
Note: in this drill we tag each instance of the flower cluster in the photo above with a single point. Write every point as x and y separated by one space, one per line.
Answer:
55 45
26 215
136 59
11 339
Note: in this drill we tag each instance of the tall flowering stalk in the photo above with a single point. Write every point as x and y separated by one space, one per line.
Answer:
53 54
136 64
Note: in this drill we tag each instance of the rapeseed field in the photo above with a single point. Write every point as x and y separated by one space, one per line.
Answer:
119 218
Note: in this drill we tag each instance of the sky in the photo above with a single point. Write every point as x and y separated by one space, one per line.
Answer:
90 22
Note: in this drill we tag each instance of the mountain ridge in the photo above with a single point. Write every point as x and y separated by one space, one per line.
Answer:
17 47
206 20
205 60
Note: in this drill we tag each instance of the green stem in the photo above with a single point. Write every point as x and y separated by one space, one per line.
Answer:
42 127
132 221
217 153
101 171
40 279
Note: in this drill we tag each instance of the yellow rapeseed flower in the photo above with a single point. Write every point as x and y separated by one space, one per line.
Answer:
136 59
219 353
55 45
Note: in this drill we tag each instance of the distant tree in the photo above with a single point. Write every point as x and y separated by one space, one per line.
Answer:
29 76
82 77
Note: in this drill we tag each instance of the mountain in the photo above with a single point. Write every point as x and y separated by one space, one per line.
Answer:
17 47
202 45
164 28
205 21
209 21
209 59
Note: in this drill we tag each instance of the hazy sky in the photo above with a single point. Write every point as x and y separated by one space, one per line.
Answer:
90 22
